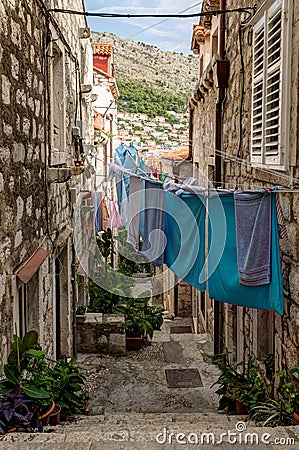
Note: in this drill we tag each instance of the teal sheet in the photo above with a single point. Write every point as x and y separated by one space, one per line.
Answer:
223 281
184 227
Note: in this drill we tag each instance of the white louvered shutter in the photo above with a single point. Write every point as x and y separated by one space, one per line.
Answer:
257 94
270 86
272 139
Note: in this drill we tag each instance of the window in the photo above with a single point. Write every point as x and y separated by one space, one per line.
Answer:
271 84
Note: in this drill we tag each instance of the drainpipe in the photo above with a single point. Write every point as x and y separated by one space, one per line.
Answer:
222 72
74 296
191 118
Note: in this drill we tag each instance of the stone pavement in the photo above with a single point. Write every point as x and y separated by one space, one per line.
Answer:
133 408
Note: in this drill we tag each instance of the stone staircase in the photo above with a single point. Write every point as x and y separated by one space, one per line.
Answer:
133 408
151 431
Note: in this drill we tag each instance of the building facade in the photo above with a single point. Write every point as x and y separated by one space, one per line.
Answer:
46 125
244 117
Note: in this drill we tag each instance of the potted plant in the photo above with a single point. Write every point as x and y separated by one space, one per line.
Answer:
81 312
289 391
69 391
25 373
273 413
54 417
18 412
242 385
141 320
282 410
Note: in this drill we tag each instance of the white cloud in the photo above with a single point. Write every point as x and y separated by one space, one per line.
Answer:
168 34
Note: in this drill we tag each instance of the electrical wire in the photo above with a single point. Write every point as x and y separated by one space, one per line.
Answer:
161 21
241 161
250 10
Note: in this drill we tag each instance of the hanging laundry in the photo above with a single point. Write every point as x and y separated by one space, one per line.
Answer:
223 281
97 212
185 233
146 169
153 233
154 171
189 185
163 176
114 216
253 234
134 208
121 151
124 202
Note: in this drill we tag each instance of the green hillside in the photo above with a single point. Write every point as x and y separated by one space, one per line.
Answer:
136 98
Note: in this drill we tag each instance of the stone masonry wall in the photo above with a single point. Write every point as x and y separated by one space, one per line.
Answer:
243 176
242 326
24 155
22 196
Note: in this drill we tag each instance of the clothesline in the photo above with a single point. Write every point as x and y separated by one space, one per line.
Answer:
196 189
262 169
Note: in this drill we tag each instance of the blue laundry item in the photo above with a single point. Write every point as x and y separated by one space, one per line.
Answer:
185 233
141 224
253 234
223 281
153 223
97 212
134 207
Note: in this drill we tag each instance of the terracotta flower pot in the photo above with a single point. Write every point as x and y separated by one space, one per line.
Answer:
54 418
133 343
45 417
296 418
85 409
242 408
63 415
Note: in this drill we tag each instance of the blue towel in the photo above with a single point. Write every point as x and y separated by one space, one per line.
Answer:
153 223
253 234
223 281
185 234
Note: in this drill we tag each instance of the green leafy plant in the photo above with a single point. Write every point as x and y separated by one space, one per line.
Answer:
24 370
68 386
279 411
141 319
105 243
29 373
273 413
244 382
81 309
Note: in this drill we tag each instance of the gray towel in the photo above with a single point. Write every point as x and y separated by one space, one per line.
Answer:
153 233
253 235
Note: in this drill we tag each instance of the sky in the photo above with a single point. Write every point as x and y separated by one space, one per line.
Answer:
167 34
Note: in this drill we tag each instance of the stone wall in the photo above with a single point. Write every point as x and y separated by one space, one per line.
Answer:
101 333
242 326
184 299
33 212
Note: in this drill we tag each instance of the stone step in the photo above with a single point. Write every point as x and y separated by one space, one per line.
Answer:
144 428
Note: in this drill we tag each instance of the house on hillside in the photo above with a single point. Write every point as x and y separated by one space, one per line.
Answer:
244 125
105 111
45 128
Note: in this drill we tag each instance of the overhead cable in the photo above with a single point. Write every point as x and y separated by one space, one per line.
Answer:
248 10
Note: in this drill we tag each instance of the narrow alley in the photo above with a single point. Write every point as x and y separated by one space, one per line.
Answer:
135 405
149 197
